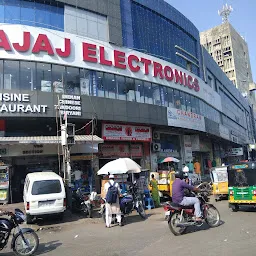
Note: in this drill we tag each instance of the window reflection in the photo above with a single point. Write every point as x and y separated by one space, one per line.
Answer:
85 81
182 101
148 93
27 13
170 97
110 83
27 76
58 78
130 87
44 77
139 91
12 12
73 83
156 94
100 85
176 96
121 88
188 102
11 75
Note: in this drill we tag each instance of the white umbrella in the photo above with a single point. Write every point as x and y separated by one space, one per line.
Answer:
120 166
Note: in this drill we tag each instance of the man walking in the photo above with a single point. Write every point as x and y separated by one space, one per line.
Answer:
113 192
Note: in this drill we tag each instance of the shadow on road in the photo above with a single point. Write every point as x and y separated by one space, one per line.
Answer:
205 226
134 219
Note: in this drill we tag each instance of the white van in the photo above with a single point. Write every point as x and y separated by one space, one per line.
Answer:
44 194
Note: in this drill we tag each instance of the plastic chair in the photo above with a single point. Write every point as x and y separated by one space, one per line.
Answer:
149 203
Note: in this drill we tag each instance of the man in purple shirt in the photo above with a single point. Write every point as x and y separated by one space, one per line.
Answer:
178 197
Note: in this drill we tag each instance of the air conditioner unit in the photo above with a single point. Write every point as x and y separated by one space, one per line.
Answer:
156 135
156 147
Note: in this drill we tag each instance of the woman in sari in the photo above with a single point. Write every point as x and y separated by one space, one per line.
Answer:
155 194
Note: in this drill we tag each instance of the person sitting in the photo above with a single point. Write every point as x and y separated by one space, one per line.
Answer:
178 187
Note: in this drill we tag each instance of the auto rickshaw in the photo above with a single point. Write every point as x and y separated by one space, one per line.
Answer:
219 177
242 185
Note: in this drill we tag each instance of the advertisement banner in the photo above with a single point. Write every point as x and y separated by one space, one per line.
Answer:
185 119
120 150
235 152
126 132
188 148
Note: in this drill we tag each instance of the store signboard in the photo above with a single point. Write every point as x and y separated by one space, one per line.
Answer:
235 152
224 132
185 119
40 44
121 132
187 148
120 150
71 105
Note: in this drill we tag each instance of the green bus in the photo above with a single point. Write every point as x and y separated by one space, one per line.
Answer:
242 185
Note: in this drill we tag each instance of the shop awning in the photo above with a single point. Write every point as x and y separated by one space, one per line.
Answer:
80 139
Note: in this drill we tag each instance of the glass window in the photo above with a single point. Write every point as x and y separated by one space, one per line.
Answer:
27 13
170 97
11 75
85 81
121 88
156 94
1 12
44 187
12 11
165 95
139 91
100 85
58 78
197 106
176 96
42 15
182 101
44 77
1 75
188 102
110 83
148 93
130 87
27 75
193 104
73 83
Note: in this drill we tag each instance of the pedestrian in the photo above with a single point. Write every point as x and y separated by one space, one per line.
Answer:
197 167
140 185
113 192
155 194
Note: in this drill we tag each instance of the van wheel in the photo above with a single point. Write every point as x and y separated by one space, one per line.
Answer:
61 216
29 219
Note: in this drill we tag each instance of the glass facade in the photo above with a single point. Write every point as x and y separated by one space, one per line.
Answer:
45 14
147 31
26 75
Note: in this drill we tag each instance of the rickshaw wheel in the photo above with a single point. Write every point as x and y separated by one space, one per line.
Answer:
235 208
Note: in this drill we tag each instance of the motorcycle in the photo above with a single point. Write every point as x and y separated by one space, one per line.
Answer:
181 217
81 203
129 202
24 241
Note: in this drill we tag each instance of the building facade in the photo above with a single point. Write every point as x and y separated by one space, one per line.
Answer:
230 51
147 90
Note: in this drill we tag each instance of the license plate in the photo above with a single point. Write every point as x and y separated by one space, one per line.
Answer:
46 203
167 213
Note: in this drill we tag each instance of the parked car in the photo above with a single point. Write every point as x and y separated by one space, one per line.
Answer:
44 194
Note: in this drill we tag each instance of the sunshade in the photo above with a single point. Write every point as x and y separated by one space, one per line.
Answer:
120 166
169 159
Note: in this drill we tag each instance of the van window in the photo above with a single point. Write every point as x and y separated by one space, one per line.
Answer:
43 187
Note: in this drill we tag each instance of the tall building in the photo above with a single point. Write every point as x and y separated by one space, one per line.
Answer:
229 49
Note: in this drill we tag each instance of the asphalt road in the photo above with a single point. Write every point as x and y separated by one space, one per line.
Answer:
235 236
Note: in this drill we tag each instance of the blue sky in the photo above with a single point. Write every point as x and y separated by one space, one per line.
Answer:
204 14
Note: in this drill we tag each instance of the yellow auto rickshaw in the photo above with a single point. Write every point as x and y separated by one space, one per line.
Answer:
219 177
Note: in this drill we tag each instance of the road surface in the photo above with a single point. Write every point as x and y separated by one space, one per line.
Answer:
235 236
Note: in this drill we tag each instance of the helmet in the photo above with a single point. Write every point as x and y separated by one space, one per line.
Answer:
179 174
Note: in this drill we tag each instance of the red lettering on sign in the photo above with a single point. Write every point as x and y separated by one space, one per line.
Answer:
196 85
89 50
190 82
168 73
4 41
26 43
134 58
42 44
119 58
146 63
178 77
67 49
158 70
103 60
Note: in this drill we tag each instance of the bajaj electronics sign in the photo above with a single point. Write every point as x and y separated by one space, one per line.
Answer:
185 119
19 103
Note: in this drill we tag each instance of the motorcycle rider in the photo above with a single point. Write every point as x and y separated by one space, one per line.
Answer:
178 187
